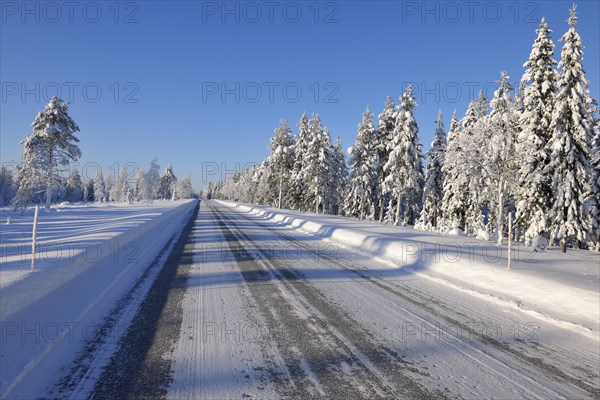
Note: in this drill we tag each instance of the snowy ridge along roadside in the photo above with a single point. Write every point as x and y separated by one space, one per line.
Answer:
562 290
49 316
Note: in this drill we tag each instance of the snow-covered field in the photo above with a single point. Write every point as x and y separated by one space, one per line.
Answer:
88 258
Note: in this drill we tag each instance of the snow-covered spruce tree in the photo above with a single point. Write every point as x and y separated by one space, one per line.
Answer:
109 183
433 191
138 185
297 189
208 191
360 201
282 156
256 185
246 181
475 138
595 177
478 109
166 186
594 200
118 192
259 185
383 137
339 178
317 169
453 208
519 103
499 164
88 190
216 191
534 197
129 197
50 147
152 180
404 169
453 202
100 195
595 210
227 188
472 141
74 187
184 188
8 187
241 186
569 145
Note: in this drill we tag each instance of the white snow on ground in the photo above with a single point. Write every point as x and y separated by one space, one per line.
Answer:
63 231
88 258
560 288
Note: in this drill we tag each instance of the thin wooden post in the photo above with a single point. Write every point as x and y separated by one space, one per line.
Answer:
509 237
34 236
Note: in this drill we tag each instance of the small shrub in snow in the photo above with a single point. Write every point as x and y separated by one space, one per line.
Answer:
483 235
422 226
456 232
539 242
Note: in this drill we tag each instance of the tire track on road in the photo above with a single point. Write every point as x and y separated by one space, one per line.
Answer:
141 367
371 362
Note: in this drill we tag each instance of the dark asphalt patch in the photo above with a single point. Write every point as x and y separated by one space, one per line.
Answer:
141 368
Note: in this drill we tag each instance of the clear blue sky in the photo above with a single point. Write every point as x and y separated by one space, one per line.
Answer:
161 67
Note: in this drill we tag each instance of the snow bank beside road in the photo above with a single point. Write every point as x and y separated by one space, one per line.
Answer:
49 315
119 241
563 289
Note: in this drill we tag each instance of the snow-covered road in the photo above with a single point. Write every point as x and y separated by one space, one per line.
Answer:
238 303
271 312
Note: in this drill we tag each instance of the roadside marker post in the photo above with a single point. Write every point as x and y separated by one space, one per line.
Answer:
33 236
509 237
